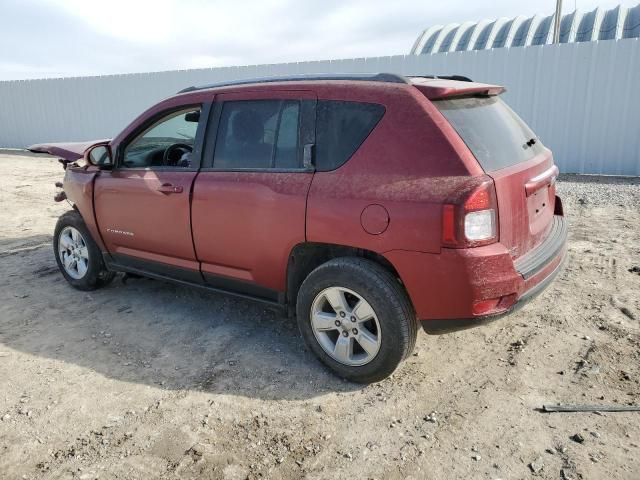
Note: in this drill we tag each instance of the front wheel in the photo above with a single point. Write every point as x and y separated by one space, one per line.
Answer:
77 255
356 317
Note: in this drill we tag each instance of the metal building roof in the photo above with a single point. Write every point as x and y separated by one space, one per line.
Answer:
577 26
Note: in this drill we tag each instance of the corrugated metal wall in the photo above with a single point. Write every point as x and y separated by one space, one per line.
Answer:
577 26
582 99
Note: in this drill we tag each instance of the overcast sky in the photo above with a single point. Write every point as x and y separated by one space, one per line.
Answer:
60 38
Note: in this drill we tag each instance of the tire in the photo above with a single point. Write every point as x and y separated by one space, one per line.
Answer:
393 324
86 254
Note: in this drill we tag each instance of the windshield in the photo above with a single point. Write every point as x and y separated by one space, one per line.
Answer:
495 134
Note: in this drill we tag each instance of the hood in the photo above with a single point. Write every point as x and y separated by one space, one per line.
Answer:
68 151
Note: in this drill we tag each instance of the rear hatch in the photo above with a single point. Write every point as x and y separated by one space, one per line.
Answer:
522 169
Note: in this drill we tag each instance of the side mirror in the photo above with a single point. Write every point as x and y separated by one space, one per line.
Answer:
100 156
192 116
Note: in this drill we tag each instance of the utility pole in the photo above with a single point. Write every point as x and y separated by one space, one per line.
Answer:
556 23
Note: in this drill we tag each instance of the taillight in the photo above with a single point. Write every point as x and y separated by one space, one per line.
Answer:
471 219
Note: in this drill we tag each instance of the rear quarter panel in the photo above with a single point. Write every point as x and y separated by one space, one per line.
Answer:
409 164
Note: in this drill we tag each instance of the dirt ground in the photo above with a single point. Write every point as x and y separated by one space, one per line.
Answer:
151 380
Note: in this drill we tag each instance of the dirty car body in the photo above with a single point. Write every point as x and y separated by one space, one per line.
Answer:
431 188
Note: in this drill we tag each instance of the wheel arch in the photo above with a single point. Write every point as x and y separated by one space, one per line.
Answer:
307 256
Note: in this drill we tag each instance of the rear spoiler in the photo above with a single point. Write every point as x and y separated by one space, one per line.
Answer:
460 78
439 88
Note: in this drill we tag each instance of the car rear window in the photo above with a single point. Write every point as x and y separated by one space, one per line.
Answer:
341 127
495 134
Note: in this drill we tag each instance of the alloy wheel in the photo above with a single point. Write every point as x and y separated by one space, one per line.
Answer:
73 252
346 326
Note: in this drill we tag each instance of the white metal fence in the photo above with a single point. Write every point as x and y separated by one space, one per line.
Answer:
582 99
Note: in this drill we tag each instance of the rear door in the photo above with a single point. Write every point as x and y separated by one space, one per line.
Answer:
249 200
142 205
521 167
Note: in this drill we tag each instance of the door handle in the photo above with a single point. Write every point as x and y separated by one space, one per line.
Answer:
168 188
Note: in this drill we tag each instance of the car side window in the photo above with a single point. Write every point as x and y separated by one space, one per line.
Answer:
168 142
258 134
340 130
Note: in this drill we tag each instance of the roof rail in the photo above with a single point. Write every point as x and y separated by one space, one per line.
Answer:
366 77
459 78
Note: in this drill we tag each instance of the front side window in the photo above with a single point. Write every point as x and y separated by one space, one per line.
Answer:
167 143
258 134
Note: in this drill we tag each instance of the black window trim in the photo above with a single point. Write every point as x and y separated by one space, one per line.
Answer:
196 155
274 152
306 135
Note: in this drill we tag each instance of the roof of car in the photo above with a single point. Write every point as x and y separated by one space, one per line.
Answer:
378 77
433 86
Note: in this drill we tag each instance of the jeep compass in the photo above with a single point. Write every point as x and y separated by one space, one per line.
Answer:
363 205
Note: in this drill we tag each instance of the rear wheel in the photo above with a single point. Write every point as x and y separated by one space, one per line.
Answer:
77 255
356 317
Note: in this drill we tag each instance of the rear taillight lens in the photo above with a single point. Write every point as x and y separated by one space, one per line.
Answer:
480 225
471 219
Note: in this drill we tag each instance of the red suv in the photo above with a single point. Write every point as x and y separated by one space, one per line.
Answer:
364 205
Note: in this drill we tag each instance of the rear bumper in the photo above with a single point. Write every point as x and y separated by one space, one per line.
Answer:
531 264
447 288
437 327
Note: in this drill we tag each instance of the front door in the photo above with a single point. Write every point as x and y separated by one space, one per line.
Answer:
142 205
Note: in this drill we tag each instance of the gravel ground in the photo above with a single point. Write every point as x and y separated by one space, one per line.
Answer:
596 190
150 380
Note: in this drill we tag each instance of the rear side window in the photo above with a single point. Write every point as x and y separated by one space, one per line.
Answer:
258 134
492 131
341 127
